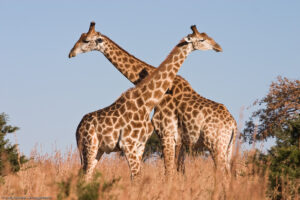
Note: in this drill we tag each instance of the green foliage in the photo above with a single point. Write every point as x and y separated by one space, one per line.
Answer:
153 145
97 188
10 160
279 118
289 135
284 158
64 189
282 162
89 191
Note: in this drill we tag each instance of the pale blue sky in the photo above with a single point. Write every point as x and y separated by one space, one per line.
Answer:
46 94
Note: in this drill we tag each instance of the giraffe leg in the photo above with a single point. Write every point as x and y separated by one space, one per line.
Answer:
168 144
90 154
226 158
223 154
222 170
89 162
219 190
133 153
167 129
180 157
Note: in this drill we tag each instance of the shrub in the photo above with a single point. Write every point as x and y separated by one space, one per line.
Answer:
10 159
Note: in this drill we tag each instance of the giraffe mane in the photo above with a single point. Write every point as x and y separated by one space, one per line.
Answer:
128 54
166 60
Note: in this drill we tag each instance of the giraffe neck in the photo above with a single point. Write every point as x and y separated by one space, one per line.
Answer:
154 86
127 64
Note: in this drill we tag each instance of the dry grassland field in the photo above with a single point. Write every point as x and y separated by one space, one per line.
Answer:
216 83
56 176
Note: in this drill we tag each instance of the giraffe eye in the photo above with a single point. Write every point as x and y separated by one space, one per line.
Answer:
202 40
85 41
99 40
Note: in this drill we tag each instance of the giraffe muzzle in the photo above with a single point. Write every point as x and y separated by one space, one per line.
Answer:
72 54
217 48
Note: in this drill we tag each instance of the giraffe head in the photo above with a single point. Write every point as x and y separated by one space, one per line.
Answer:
201 41
89 41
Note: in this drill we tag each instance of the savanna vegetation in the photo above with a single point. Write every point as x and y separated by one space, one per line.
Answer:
256 174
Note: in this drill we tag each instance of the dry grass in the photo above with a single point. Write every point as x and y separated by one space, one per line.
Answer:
48 176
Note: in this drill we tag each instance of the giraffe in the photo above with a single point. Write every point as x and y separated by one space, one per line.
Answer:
125 125
198 114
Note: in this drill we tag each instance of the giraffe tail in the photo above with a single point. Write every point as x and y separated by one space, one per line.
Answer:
79 145
80 153
231 140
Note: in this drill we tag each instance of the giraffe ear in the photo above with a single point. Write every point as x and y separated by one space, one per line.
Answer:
143 74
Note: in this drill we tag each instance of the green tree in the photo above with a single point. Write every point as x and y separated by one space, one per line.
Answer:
279 117
10 160
281 104
284 161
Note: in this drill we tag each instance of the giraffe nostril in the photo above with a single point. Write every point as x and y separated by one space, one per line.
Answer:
71 54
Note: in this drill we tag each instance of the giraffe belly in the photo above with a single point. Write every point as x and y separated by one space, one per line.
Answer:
191 127
108 139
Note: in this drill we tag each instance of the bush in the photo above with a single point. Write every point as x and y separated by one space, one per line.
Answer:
284 160
97 188
10 159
